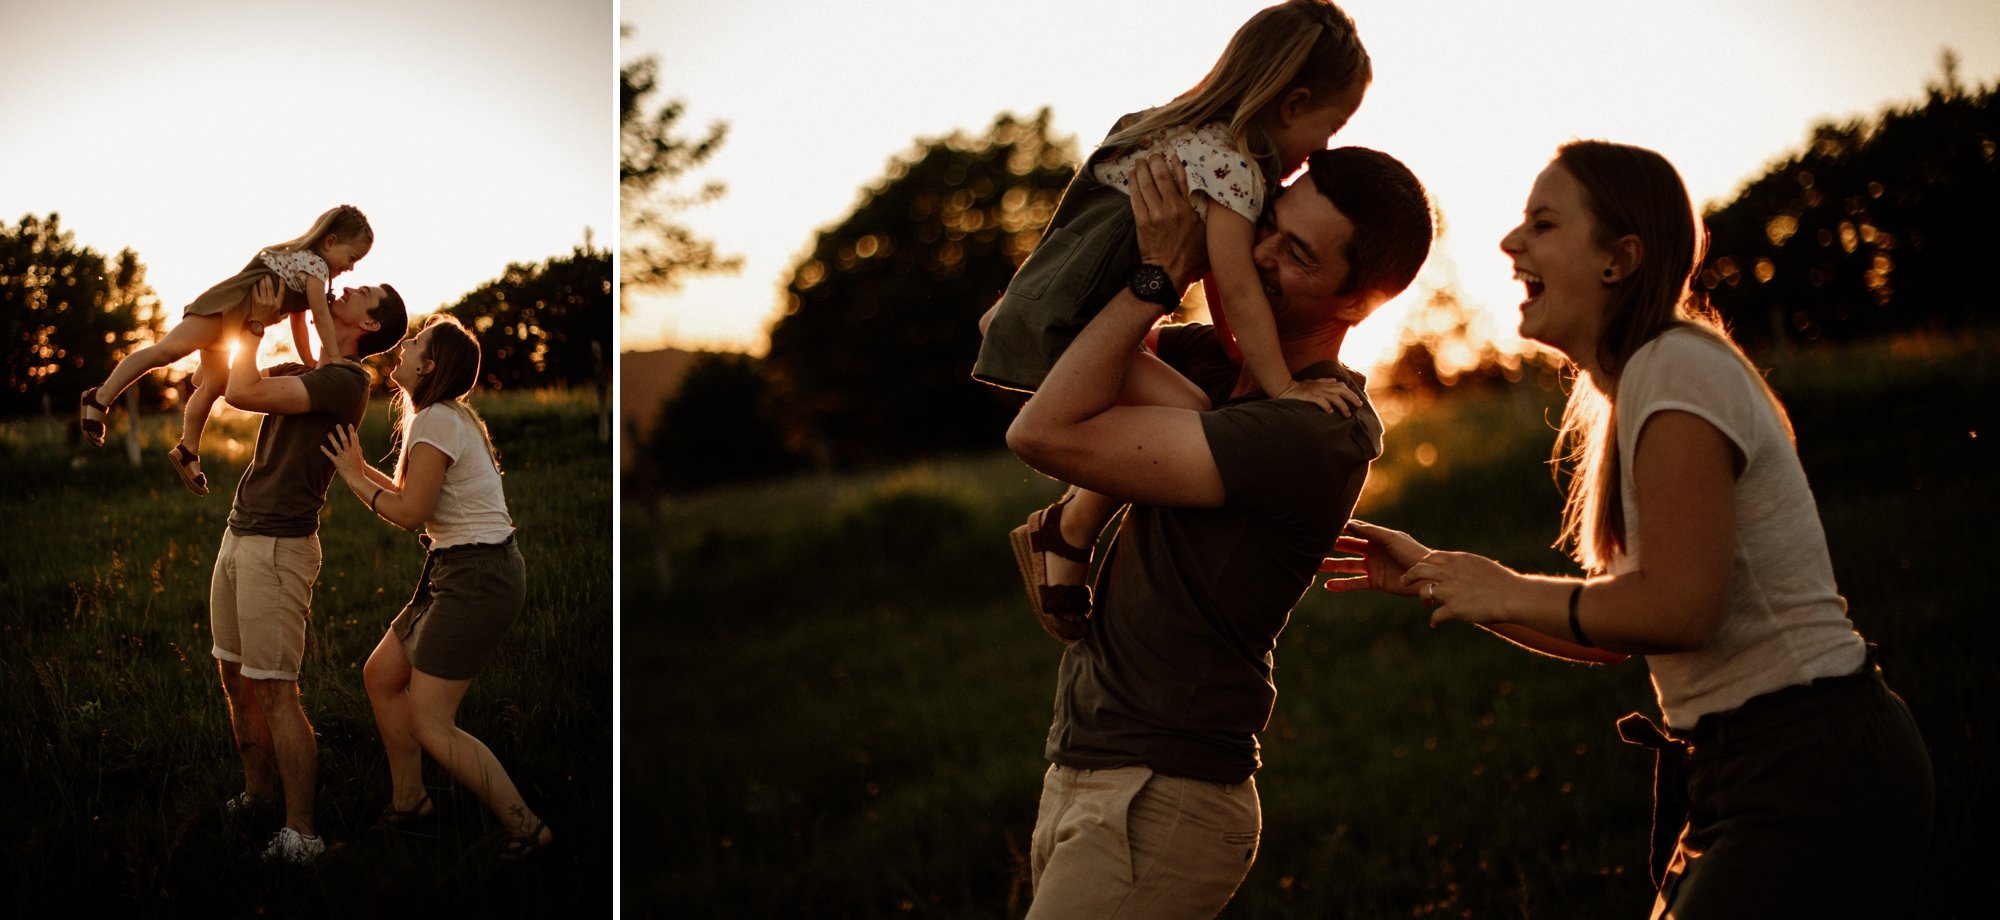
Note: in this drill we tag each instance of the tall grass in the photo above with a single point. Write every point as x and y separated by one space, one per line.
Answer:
835 698
116 751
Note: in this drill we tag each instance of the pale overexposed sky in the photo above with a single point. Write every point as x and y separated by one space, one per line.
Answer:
196 132
1474 96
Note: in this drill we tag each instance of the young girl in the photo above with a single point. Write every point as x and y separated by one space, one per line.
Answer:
1288 80
1802 785
305 266
473 585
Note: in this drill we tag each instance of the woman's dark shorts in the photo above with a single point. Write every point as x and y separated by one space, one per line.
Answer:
466 598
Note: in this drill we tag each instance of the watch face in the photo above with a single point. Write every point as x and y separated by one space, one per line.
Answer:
1151 283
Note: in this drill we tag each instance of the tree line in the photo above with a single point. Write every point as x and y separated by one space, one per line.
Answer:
68 314
1876 227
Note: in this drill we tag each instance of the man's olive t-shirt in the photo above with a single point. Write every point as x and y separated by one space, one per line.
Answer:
1175 673
282 492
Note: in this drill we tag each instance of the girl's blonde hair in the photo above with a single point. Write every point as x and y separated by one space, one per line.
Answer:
1308 44
454 354
345 221
1630 191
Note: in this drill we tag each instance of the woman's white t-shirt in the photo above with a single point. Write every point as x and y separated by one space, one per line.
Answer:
471 507
1785 622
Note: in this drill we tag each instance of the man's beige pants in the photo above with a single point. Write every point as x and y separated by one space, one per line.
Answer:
1129 843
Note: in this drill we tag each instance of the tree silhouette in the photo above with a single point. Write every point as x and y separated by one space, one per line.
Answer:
719 427
1873 228
67 316
873 356
1442 347
545 324
658 253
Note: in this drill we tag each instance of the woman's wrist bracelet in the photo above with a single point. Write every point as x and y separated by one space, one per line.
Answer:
1576 628
378 494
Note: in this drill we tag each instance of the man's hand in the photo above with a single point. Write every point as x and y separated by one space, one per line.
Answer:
1170 234
264 303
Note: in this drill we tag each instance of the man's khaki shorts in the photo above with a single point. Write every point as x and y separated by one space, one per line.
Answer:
1129 842
258 599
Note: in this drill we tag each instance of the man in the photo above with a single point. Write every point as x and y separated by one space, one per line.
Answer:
261 590
1149 807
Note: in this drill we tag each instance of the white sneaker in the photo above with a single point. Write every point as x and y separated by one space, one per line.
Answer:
293 847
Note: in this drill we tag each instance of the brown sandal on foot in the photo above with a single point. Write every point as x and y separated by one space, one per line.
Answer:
1063 610
184 459
396 819
93 426
515 848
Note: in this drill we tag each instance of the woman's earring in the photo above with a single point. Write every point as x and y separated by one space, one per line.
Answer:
1607 274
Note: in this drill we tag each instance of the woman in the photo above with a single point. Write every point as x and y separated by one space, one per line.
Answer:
1807 788
473 583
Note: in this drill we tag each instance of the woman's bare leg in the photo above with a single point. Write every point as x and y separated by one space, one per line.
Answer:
433 708
387 677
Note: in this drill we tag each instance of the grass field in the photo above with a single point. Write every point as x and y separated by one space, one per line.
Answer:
115 748
835 698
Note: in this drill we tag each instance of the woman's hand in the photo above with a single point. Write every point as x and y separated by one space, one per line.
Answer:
1465 587
1383 556
345 451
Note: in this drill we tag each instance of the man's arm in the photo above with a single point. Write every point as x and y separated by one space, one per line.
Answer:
248 388
1073 427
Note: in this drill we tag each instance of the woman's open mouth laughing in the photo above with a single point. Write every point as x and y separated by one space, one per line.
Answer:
1533 283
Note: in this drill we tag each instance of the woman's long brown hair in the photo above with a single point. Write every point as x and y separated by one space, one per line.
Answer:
1631 191
454 355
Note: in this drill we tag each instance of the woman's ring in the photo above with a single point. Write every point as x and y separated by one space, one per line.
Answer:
1431 591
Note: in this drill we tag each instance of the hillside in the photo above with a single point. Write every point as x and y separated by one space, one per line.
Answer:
647 379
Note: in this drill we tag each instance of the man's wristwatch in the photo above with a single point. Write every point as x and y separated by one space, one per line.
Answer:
255 328
1153 285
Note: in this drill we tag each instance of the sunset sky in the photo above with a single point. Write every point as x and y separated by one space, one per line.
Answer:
198 131
1474 96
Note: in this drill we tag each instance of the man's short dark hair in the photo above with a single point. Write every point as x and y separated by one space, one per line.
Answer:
1390 212
394 320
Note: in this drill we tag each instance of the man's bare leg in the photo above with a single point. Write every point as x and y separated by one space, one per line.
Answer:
296 750
253 734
